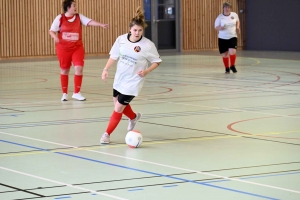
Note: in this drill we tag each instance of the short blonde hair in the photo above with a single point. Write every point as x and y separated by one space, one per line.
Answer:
227 4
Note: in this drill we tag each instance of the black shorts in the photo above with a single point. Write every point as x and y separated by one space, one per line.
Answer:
224 45
122 98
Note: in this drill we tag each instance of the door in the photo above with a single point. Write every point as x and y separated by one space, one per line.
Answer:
163 23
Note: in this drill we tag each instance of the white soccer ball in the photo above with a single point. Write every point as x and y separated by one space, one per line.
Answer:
134 139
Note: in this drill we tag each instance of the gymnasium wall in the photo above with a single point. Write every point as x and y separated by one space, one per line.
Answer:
273 25
198 20
25 24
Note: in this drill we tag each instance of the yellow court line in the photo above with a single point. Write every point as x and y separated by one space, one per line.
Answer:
257 61
297 131
148 143
23 154
115 146
54 151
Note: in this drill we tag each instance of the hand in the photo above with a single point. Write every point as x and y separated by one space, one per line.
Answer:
104 25
142 73
104 75
222 27
56 40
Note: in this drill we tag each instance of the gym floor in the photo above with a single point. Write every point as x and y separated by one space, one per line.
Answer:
206 135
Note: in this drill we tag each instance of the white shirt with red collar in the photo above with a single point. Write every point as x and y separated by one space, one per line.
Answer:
230 25
133 57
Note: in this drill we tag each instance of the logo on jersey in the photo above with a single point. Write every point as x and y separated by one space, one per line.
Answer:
137 49
232 17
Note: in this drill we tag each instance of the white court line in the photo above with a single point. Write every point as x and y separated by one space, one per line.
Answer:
169 94
230 109
167 166
38 140
61 183
29 103
253 89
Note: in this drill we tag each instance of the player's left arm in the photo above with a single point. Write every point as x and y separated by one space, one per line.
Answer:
238 25
95 23
90 22
152 67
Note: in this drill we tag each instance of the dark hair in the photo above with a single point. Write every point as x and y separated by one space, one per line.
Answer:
138 19
66 4
227 4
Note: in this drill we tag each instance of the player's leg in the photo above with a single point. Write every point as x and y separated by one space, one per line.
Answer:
232 53
133 117
121 101
78 61
225 59
115 117
128 112
223 49
64 59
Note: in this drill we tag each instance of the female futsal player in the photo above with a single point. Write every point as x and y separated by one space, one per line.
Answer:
228 25
133 51
69 46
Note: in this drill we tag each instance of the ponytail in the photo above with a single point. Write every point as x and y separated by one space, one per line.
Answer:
138 19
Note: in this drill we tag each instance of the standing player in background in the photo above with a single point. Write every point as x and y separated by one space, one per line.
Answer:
133 51
228 25
69 46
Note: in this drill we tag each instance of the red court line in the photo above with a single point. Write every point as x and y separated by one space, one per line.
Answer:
270 82
230 127
21 83
289 83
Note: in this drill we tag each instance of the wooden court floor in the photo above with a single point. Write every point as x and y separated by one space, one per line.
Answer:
207 135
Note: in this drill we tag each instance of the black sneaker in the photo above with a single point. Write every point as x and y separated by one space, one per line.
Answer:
233 69
227 71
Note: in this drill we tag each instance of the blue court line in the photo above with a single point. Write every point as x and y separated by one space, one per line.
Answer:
102 119
167 186
143 171
253 177
11 115
137 189
270 175
65 197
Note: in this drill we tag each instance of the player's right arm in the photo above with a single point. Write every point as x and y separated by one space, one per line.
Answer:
109 63
55 28
114 55
54 36
218 24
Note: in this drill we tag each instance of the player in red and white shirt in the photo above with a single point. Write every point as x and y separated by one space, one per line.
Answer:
69 46
134 52
228 25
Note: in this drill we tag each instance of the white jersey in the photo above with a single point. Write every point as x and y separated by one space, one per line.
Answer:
230 25
133 57
55 25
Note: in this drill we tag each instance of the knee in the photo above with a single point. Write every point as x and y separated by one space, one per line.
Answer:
64 71
78 70
225 55
119 107
232 51
119 110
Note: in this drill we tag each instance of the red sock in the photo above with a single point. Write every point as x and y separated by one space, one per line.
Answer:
128 112
64 80
232 59
77 83
226 62
113 122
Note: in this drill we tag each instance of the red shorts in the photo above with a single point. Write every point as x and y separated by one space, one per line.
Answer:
66 58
